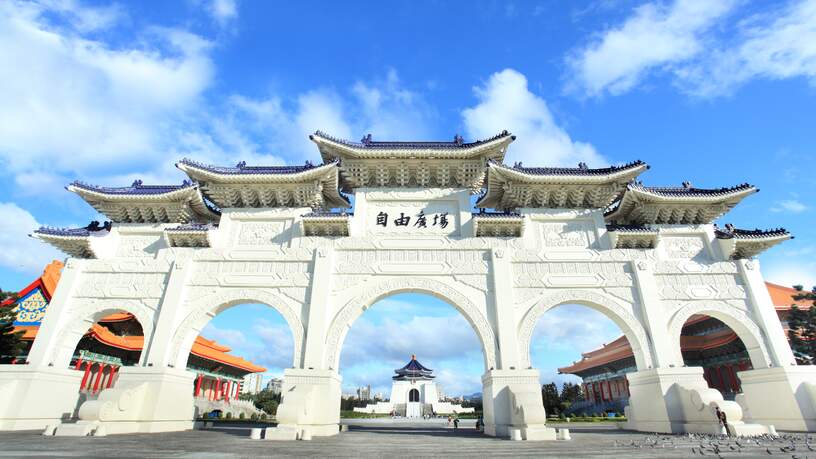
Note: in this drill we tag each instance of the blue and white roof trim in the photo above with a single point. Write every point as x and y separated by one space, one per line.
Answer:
685 204
555 187
332 148
75 242
309 185
740 243
139 203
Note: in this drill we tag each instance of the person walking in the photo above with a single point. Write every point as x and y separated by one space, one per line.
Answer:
455 423
450 419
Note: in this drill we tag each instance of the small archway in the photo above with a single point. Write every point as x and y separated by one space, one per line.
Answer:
113 341
413 395
204 309
722 340
231 345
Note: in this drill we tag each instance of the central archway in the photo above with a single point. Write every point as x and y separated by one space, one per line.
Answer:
343 320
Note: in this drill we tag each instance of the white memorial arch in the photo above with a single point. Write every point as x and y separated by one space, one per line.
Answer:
175 256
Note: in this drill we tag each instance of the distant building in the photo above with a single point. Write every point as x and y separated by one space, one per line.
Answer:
378 397
413 394
252 383
364 392
275 385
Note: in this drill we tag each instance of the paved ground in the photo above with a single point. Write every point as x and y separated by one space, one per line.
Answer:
401 439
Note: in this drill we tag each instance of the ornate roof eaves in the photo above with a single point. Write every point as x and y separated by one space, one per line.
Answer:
373 149
259 174
578 175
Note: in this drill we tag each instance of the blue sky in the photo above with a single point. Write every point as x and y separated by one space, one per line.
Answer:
716 92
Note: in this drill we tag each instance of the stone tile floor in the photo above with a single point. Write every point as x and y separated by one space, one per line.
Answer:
403 439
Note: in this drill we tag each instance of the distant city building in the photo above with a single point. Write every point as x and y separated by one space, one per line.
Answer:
379 396
252 383
413 394
275 385
364 392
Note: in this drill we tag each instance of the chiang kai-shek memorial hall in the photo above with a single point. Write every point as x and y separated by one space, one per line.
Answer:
414 394
175 256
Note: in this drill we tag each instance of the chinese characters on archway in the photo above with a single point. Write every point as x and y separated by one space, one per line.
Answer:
420 220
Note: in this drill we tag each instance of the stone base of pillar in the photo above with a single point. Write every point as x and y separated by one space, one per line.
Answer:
678 400
310 406
512 402
34 398
784 397
145 399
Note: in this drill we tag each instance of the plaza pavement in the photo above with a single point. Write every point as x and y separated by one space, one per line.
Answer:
381 438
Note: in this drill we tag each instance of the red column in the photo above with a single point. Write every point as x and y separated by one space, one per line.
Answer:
626 383
720 376
218 389
226 389
78 364
98 378
113 371
85 376
735 385
198 385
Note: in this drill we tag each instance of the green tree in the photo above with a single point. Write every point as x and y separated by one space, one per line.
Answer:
802 328
552 403
11 343
570 393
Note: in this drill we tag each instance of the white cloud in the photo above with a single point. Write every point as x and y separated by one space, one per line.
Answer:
789 205
276 346
505 102
226 336
706 49
655 36
223 11
775 45
20 252
790 272
80 105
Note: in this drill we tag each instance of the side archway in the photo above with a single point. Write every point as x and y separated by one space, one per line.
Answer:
344 319
745 328
203 309
89 313
627 322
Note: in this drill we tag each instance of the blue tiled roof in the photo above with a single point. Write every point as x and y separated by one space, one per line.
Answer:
134 189
688 190
242 168
368 143
79 232
730 232
582 169
497 214
328 214
413 369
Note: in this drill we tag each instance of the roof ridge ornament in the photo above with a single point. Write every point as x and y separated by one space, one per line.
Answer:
583 166
458 140
137 183
366 140
687 185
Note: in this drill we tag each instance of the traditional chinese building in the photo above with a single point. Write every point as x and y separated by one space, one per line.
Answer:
117 341
705 342
413 394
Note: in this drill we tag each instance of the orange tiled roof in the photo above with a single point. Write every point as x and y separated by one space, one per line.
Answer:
781 296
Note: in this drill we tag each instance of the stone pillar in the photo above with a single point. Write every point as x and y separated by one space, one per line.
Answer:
678 400
156 353
764 313
44 350
310 405
311 395
145 400
319 310
652 315
512 401
784 397
503 310
35 398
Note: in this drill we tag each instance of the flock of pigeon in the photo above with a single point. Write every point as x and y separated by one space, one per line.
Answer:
794 446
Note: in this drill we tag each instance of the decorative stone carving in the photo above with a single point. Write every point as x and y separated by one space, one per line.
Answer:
572 234
684 247
630 326
370 295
